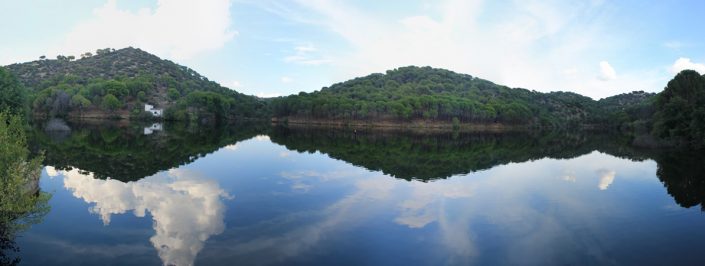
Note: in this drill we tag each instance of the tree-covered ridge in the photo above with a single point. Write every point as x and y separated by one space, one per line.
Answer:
120 82
410 93
634 110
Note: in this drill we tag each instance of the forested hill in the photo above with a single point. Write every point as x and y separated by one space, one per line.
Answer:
119 83
425 93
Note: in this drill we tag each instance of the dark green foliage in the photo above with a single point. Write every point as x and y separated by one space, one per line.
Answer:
410 93
12 96
680 110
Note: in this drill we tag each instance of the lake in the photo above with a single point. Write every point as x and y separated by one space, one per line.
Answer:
251 194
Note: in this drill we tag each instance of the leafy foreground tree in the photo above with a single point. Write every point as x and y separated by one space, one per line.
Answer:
21 202
680 110
12 94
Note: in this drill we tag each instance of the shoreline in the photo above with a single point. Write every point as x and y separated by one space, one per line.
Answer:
417 125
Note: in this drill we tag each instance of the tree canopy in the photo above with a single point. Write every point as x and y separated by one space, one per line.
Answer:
680 110
12 95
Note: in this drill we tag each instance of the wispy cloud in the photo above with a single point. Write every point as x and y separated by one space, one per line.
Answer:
306 55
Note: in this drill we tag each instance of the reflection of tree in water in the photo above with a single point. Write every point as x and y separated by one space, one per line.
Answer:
683 175
428 156
123 152
21 202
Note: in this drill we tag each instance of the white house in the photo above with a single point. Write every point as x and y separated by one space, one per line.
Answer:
154 127
150 108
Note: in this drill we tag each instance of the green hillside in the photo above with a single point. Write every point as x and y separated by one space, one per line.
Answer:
117 83
425 93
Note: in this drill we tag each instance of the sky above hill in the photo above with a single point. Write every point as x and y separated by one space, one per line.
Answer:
270 48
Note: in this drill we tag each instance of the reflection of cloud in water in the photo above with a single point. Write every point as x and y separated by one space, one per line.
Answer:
186 208
232 147
606 178
299 182
569 176
427 205
422 207
349 211
261 138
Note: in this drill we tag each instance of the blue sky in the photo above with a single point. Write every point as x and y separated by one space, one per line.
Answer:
268 48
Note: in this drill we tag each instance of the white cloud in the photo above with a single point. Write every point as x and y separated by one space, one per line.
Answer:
305 55
531 47
305 48
235 85
186 208
675 45
570 71
268 94
178 29
685 63
607 72
286 79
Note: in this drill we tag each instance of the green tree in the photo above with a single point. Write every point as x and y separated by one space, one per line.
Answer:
111 102
21 202
80 102
680 110
12 95
173 94
142 96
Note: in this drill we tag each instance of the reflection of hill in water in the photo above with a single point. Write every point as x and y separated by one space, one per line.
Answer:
433 156
125 153
441 155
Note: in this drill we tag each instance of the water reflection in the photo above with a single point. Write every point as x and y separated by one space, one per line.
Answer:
186 207
122 151
437 198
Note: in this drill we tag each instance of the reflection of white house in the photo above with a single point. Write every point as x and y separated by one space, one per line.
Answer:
150 108
154 127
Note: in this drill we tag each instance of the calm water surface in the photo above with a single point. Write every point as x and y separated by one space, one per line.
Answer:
256 195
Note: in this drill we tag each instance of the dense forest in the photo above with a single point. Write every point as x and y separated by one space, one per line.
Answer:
425 93
117 83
